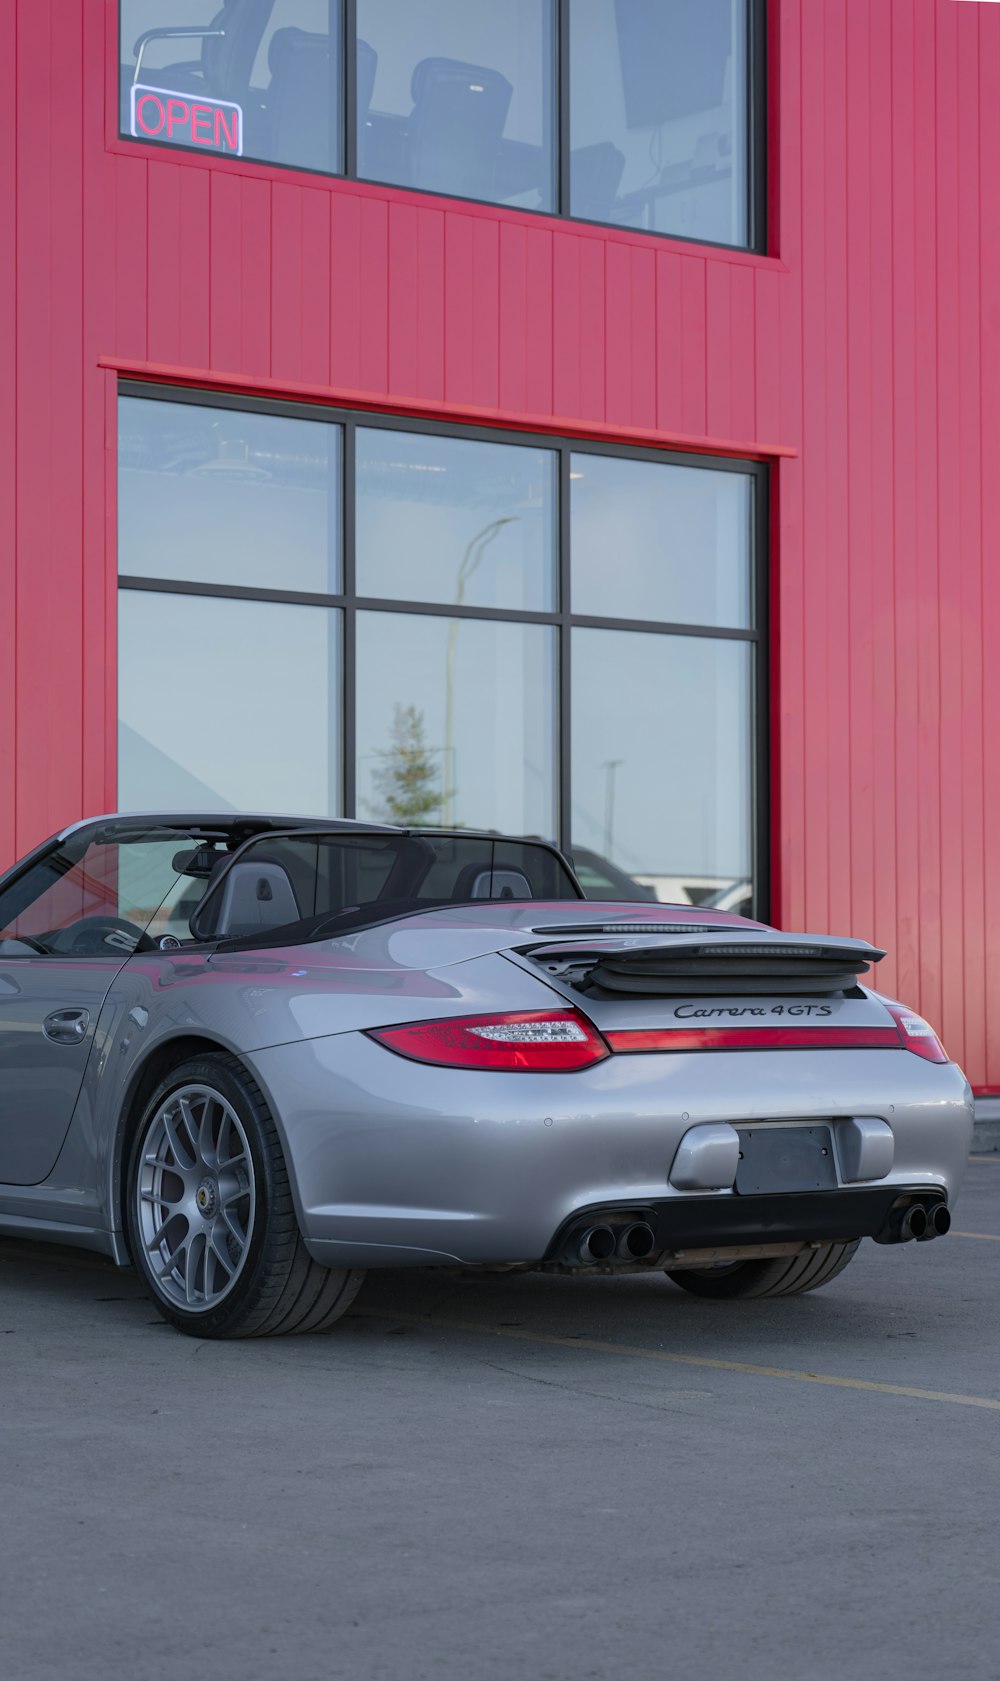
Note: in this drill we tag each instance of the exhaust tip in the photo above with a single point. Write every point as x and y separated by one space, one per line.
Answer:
636 1242
597 1244
940 1220
913 1224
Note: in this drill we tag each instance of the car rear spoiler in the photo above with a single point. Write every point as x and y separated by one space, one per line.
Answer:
729 963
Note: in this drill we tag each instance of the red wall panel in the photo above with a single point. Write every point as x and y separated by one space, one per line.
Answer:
862 355
8 435
895 836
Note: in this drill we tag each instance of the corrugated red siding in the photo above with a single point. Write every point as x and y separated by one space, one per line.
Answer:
868 345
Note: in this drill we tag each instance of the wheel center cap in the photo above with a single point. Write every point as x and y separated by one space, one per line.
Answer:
207 1198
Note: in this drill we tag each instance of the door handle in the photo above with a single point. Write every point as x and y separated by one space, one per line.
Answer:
66 1027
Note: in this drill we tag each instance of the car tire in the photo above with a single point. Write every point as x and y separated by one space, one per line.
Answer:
787 1275
211 1222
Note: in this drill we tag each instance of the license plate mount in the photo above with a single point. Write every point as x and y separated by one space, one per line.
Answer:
785 1158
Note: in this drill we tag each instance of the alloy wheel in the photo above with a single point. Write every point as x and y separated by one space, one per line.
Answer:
195 1197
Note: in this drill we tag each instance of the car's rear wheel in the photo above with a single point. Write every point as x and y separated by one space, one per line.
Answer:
786 1275
211 1223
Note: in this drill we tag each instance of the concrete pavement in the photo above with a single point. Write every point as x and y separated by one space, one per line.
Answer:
503 1477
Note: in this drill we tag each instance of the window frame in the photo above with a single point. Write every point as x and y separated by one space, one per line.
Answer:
757 173
349 603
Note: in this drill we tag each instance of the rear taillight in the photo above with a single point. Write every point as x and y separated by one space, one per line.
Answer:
637 1040
917 1035
560 1041
525 1041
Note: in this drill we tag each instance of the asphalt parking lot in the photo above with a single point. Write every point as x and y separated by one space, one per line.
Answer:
511 1476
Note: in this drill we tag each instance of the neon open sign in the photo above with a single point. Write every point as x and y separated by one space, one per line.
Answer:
214 125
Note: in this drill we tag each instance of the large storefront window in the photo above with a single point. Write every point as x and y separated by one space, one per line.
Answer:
637 113
329 614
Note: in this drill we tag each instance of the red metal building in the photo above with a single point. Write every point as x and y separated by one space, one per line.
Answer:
855 355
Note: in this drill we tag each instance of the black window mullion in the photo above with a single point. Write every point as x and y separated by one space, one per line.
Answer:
760 746
350 52
562 109
756 126
429 609
452 610
228 592
349 504
564 734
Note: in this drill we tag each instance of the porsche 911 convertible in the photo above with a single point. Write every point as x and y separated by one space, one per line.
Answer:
255 1056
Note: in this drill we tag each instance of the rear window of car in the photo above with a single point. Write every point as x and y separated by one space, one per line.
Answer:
332 882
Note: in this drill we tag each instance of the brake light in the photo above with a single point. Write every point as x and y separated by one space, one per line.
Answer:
636 1040
917 1035
524 1041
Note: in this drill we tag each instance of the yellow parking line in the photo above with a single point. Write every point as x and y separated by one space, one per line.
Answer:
702 1362
984 1237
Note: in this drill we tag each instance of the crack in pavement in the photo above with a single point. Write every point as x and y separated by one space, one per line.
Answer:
600 1394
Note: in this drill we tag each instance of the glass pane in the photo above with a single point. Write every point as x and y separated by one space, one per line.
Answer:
338 882
456 723
131 881
660 542
222 496
661 762
255 77
447 519
227 705
658 115
456 96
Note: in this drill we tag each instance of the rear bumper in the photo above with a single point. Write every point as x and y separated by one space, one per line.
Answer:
734 1221
394 1163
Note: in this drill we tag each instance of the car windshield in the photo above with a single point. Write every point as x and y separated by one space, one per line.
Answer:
307 885
99 893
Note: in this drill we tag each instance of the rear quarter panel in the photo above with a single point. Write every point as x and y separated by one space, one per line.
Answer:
246 1003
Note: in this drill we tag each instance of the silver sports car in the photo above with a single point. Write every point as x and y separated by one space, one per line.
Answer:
254 1056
